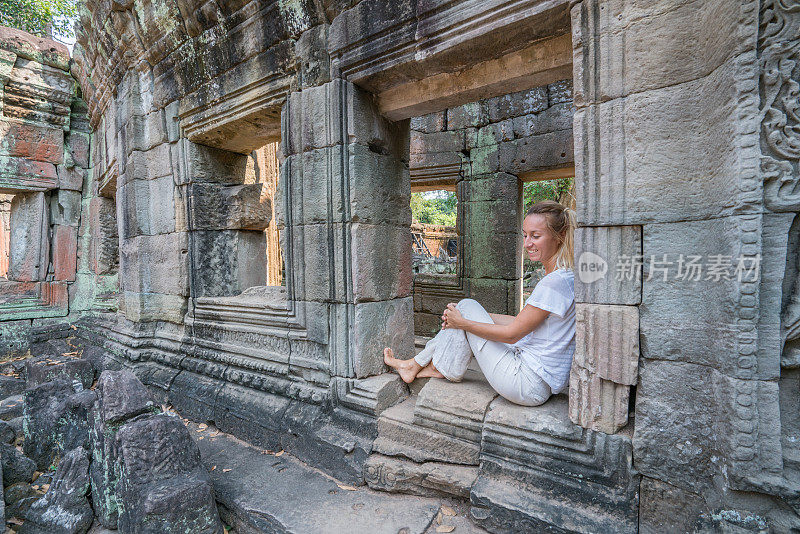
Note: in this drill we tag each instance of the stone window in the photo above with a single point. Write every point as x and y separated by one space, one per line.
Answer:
5 233
548 185
437 262
264 168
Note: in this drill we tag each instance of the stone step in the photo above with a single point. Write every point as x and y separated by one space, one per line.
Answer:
455 408
258 491
400 435
398 475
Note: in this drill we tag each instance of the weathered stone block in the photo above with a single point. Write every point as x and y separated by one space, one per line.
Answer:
76 145
471 115
633 183
607 341
206 164
121 398
381 262
608 264
449 141
314 179
492 294
162 482
143 132
55 421
630 43
236 207
730 418
16 466
493 240
399 435
71 178
315 63
538 469
65 252
147 207
29 253
544 151
104 246
555 118
158 264
228 262
65 208
64 509
495 133
32 141
153 163
432 122
559 92
517 104
596 403
455 409
377 325
379 187
697 292
54 366
429 479
142 307
490 187
664 506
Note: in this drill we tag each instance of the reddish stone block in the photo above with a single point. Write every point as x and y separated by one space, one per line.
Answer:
26 140
65 252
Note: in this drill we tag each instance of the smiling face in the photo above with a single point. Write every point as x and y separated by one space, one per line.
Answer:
540 243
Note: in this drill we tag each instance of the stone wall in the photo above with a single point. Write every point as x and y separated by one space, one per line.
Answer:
683 141
44 158
485 149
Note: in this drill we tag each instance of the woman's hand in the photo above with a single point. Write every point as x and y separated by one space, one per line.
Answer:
451 318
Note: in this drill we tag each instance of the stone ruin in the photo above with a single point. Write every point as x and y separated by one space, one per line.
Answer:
215 197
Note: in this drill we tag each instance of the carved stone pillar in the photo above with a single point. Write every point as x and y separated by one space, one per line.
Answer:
350 216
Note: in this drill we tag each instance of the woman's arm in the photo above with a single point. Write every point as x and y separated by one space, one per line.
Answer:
499 318
526 322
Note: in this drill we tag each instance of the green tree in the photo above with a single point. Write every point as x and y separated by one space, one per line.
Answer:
533 192
434 208
40 17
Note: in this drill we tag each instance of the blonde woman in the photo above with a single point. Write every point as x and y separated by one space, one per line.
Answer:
524 358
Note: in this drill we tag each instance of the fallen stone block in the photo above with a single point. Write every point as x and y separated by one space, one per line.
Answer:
18 499
55 421
163 486
121 397
46 368
64 509
16 466
11 407
10 385
7 433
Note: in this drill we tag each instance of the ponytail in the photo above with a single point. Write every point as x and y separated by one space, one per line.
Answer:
560 220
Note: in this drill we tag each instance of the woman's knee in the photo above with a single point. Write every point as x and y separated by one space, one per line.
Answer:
466 306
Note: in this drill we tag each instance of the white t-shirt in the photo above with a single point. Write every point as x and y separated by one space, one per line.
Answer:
548 350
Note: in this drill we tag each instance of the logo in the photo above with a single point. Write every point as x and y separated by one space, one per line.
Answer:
591 267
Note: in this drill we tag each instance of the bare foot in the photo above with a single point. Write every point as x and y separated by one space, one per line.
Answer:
407 369
429 371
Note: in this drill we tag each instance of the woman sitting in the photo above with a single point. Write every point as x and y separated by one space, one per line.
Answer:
525 358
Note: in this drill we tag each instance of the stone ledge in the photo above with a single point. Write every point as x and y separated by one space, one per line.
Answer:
398 435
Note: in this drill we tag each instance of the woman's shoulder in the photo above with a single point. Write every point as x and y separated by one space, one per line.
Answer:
561 278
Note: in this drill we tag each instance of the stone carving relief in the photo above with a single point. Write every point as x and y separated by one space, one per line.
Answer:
779 43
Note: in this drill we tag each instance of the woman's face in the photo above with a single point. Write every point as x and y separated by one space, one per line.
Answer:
540 244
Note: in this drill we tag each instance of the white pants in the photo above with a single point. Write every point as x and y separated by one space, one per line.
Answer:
451 350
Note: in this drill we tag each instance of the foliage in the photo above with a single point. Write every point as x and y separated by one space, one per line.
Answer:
40 17
434 207
533 192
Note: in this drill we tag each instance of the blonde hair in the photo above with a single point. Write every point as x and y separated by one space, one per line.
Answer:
560 221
